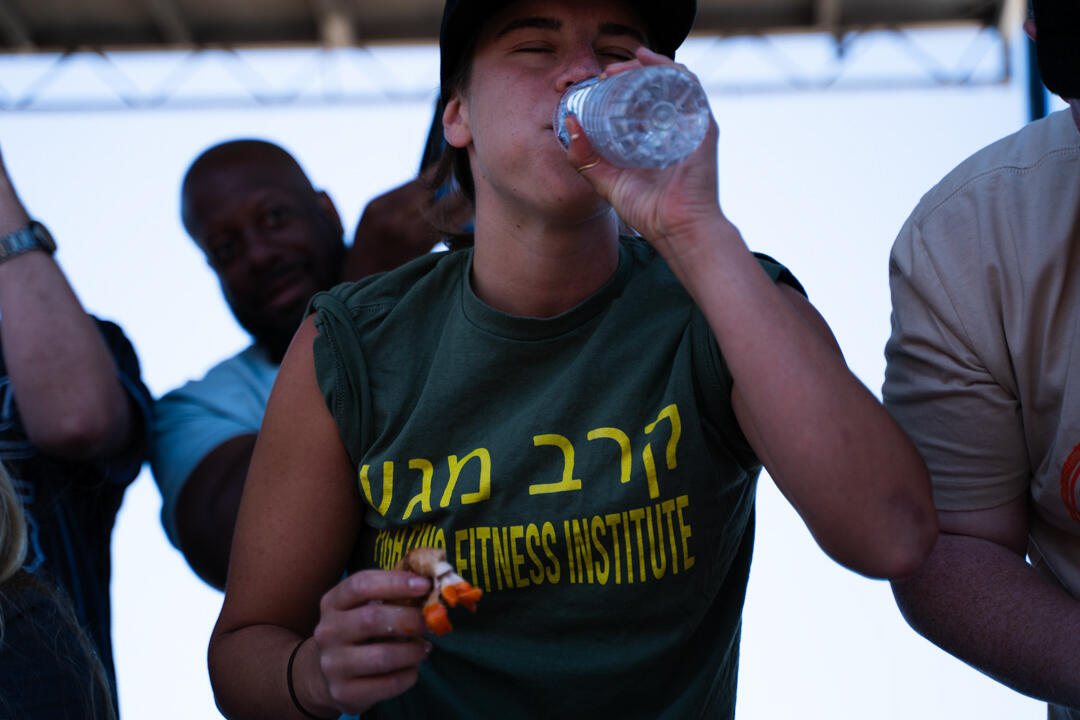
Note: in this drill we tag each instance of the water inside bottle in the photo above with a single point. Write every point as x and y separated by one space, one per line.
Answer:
651 117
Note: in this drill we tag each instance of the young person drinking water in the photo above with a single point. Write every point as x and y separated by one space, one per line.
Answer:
578 418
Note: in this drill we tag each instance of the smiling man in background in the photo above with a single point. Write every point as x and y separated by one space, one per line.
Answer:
273 240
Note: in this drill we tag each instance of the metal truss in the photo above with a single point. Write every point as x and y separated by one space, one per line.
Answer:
866 60
251 78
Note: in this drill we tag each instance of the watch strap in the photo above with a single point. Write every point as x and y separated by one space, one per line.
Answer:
32 237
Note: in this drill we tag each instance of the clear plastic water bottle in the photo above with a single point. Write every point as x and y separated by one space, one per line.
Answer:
650 117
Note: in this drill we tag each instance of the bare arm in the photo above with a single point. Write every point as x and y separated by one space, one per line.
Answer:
298 522
833 450
64 378
207 507
978 599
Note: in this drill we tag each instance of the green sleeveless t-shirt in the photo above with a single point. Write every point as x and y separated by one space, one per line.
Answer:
586 471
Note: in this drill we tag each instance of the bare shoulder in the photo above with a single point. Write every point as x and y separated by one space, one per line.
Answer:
300 511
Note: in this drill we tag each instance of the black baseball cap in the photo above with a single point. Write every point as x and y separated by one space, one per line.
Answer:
1057 44
667 21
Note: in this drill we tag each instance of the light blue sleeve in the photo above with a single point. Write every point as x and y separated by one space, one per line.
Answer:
192 420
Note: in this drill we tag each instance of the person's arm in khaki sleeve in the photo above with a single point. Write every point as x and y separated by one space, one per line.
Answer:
63 376
976 596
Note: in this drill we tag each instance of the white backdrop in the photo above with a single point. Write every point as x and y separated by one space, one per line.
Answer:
822 181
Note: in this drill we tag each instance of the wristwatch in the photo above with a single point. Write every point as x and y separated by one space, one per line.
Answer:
33 236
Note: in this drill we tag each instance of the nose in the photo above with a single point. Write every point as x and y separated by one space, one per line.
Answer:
582 65
259 249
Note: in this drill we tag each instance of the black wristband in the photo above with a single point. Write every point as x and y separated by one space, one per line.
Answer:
292 690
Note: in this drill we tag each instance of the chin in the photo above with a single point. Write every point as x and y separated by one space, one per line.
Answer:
273 333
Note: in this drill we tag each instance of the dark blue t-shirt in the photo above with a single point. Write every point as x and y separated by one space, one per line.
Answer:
71 506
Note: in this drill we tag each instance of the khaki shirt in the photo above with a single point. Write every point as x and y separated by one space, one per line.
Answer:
984 359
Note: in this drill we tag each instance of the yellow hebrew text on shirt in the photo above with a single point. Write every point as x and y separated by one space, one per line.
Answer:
568 482
484 484
671 412
625 455
422 498
387 487
474 471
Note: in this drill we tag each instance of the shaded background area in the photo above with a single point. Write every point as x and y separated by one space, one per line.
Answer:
66 25
154 53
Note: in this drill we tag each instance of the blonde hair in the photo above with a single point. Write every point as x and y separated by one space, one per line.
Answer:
12 528
13 542
12 533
